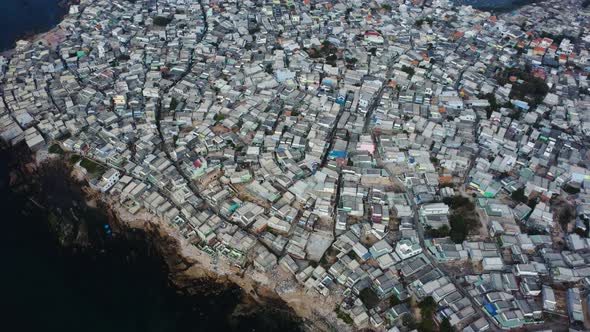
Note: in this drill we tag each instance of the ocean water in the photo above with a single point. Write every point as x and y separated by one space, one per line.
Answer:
21 18
502 5
118 284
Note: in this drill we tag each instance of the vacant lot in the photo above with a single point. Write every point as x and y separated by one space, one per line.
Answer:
92 167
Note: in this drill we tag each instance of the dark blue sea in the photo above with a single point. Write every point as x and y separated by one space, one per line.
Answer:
100 281
21 18
500 5
113 283
116 284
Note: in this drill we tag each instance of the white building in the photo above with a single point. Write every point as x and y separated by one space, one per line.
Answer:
407 248
549 302
109 179
492 264
434 209
525 270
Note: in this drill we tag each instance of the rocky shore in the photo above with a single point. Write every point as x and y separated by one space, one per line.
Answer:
193 270
190 267
77 214
77 223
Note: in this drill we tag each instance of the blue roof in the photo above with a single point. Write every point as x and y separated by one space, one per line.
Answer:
328 81
491 309
338 154
521 104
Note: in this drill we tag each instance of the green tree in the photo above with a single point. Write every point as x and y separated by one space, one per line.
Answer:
162 21
443 231
457 202
343 316
493 104
426 325
327 44
219 117
409 321
428 304
445 326
331 59
409 70
519 196
173 103
268 69
459 229
393 301
427 309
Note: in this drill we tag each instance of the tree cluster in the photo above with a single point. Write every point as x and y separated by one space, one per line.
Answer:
519 196
162 21
463 218
427 311
409 70
327 51
532 89
443 231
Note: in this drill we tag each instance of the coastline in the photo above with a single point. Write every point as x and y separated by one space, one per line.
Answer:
316 311
39 33
502 7
190 270
188 265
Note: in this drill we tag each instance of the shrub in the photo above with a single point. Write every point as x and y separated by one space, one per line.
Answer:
56 149
344 316
409 70
519 196
219 117
443 231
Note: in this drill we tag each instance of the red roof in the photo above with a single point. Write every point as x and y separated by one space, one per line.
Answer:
445 179
535 42
372 33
